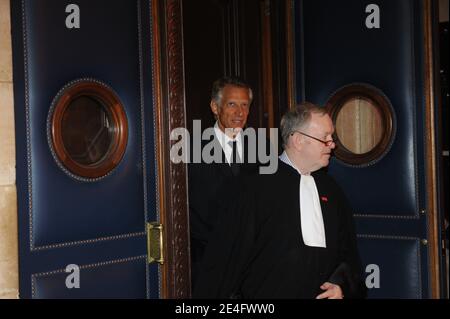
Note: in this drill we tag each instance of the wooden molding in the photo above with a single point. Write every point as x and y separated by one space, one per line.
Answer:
380 101
430 151
168 49
290 48
159 129
118 121
266 53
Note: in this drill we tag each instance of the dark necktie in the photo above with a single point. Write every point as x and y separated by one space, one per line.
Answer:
235 159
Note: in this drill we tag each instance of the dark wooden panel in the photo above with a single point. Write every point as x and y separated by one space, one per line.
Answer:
203 55
226 40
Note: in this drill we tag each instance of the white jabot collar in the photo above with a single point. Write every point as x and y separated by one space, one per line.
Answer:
313 230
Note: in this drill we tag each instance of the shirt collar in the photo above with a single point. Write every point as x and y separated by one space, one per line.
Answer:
285 158
225 139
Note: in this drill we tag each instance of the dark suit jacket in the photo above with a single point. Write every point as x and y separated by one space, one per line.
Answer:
212 187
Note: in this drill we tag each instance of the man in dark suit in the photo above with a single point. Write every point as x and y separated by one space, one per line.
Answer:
212 186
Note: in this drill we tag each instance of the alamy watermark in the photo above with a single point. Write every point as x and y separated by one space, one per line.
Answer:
259 148
373 19
73 279
373 278
73 17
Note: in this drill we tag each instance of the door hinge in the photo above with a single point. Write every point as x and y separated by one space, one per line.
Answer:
155 243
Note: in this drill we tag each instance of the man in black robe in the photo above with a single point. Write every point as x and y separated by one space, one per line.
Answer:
290 234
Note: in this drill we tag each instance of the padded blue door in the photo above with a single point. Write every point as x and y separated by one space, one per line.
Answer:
98 225
334 48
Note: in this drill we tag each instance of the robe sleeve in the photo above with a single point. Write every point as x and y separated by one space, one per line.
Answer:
227 254
348 273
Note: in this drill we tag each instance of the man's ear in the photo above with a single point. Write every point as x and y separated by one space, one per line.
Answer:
214 108
297 141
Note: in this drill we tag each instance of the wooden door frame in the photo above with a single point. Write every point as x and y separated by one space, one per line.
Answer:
432 148
290 54
169 99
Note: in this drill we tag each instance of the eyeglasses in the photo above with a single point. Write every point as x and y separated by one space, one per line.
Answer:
326 143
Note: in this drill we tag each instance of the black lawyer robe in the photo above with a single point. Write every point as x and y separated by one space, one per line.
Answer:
258 251
212 186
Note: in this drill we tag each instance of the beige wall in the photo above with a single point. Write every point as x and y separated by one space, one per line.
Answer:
9 282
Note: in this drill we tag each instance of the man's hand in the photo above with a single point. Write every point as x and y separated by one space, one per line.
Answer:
332 291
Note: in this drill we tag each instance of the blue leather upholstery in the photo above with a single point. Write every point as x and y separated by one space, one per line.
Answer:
63 220
96 281
333 49
399 263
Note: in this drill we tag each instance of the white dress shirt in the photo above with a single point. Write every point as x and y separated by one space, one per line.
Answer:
225 140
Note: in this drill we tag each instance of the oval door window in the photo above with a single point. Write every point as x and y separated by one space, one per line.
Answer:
358 125
364 124
89 129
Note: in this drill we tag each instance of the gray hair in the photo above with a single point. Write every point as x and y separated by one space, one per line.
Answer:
298 118
219 85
